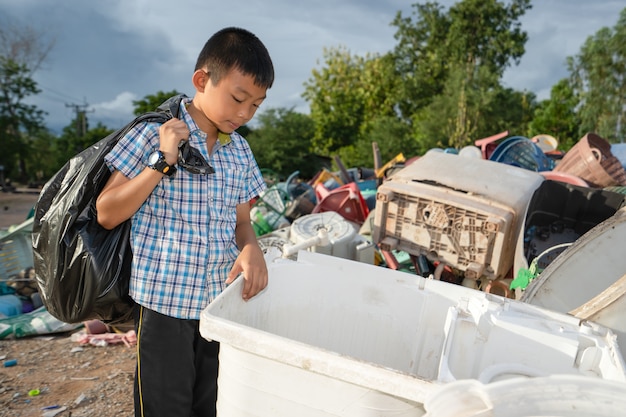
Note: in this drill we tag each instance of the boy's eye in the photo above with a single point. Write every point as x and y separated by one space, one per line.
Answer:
237 100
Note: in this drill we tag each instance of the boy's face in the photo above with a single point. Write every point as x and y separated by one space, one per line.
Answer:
232 102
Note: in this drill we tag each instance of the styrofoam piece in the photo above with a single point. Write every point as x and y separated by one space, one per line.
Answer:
334 337
465 213
584 270
547 143
471 151
556 395
343 238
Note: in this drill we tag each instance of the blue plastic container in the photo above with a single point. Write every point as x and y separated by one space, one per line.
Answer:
522 152
10 305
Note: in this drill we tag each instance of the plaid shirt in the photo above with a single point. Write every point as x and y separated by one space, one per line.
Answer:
183 236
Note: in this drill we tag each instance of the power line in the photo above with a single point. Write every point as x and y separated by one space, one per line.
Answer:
58 93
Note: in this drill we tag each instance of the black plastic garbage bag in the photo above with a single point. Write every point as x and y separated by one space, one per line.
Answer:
82 269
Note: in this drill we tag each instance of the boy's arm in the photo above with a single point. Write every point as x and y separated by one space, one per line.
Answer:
250 260
121 197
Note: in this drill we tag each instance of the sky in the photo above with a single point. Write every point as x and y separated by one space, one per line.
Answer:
108 53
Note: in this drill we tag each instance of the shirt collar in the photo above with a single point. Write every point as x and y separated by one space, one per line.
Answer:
223 138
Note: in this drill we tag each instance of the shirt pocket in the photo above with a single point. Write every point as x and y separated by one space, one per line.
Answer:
229 187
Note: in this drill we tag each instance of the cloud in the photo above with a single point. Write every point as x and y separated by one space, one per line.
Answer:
123 103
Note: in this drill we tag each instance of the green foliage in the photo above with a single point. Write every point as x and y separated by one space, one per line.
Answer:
441 83
43 160
461 114
391 134
418 56
508 110
557 116
282 143
152 101
347 94
434 45
18 120
599 79
70 143
460 59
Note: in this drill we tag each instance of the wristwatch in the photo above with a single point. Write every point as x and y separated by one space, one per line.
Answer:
157 162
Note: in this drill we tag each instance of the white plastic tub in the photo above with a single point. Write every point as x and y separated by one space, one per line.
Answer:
559 395
334 337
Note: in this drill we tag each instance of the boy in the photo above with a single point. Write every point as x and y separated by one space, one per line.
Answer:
191 231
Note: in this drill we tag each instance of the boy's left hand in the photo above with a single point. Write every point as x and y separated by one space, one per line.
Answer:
252 263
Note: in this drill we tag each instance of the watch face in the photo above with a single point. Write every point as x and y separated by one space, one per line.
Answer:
154 157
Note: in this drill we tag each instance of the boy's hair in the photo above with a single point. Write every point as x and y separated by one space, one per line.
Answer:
236 48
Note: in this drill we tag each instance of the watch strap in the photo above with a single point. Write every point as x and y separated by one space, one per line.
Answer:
162 166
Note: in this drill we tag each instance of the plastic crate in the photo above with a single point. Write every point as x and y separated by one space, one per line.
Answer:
466 213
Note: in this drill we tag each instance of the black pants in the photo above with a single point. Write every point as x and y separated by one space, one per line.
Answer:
176 372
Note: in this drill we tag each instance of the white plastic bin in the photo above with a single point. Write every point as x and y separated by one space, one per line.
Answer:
335 337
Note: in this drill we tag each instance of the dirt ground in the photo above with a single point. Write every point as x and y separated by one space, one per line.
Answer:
15 207
69 379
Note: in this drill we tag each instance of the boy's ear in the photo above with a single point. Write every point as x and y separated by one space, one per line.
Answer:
200 79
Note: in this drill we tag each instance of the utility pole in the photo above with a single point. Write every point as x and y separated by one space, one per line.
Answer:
81 118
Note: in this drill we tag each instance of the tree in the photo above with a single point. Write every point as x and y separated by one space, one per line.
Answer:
418 56
393 136
348 93
454 63
24 44
22 51
152 101
557 116
70 143
282 142
43 158
18 120
442 81
598 76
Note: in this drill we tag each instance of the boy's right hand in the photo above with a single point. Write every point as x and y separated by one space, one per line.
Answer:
170 134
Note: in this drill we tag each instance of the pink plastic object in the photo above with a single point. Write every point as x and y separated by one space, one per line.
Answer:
346 200
488 145
564 177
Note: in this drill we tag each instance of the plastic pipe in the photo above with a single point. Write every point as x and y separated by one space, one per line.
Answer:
320 239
